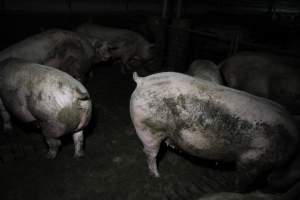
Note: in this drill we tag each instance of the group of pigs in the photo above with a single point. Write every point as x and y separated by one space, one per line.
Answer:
271 85
238 111
41 77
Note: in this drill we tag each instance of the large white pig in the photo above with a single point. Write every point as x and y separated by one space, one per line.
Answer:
56 101
211 121
64 50
265 75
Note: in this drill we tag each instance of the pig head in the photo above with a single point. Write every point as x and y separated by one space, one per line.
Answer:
126 47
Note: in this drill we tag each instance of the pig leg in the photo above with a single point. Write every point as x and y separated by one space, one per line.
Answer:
7 127
54 145
151 143
151 150
52 130
150 138
78 144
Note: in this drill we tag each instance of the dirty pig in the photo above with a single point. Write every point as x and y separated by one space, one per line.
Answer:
211 121
56 101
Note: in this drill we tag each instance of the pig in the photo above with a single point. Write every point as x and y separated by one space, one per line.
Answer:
57 102
205 69
64 50
127 47
212 121
264 75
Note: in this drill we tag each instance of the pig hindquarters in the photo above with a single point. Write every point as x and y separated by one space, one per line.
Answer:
211 121
59 103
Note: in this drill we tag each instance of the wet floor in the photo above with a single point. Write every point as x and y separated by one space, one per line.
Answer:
114 166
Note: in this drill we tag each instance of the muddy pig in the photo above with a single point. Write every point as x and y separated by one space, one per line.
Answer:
127 47
64 50
205 69
56 101
212 121
265 75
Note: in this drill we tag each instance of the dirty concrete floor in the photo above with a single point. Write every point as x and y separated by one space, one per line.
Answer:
114 166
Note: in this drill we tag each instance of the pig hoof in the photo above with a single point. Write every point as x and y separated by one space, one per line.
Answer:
51 155
154 174
79 155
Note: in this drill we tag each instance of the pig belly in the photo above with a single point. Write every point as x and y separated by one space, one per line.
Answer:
200 145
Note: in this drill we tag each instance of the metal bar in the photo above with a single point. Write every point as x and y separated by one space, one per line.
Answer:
2 4
179 9
248 44
69 2
165 9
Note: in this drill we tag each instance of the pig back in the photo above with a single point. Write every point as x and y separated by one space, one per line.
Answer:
57 48
265 75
